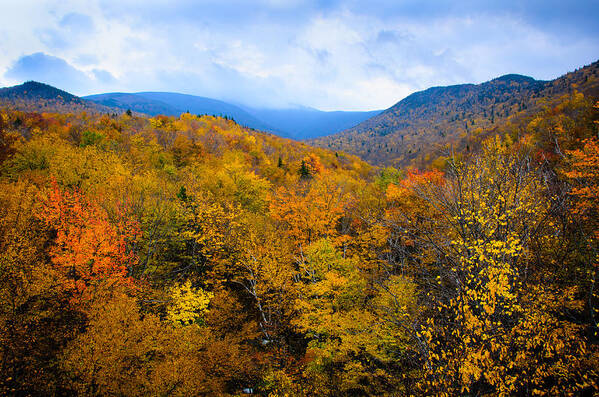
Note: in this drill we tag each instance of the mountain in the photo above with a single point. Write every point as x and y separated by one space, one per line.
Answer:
134 102
432 121
40 97
307 123
297 123
173 104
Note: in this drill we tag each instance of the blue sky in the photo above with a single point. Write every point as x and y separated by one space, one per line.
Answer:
327 54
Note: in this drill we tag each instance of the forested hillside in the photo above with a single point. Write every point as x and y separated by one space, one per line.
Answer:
432 123
173 104
297 123
190 256
40 97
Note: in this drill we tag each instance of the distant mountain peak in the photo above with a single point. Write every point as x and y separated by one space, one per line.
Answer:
32 84
35 96
516 78
36 90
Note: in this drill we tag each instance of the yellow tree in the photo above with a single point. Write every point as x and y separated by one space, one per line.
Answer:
496 323
126 352
188 305
264 270
353 340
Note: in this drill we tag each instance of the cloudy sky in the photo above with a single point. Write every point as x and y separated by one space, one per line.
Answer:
327 54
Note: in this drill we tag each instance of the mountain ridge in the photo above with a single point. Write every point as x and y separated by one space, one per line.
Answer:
37 96
296 123
429 121
173 104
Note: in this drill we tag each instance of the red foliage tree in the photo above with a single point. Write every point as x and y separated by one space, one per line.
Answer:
89 248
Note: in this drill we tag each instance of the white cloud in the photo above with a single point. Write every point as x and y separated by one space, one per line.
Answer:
328 55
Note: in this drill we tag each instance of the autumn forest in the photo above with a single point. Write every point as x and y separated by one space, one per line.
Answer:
193 256
299 198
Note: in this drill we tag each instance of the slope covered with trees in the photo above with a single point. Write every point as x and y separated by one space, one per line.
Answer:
40 97
431 123
191 256
173 104
297 123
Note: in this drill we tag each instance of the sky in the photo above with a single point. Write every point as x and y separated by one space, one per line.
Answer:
325 54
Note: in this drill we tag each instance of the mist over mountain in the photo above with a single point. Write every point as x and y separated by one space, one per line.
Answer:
307 123
299 198
296 123
173 104
424 123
